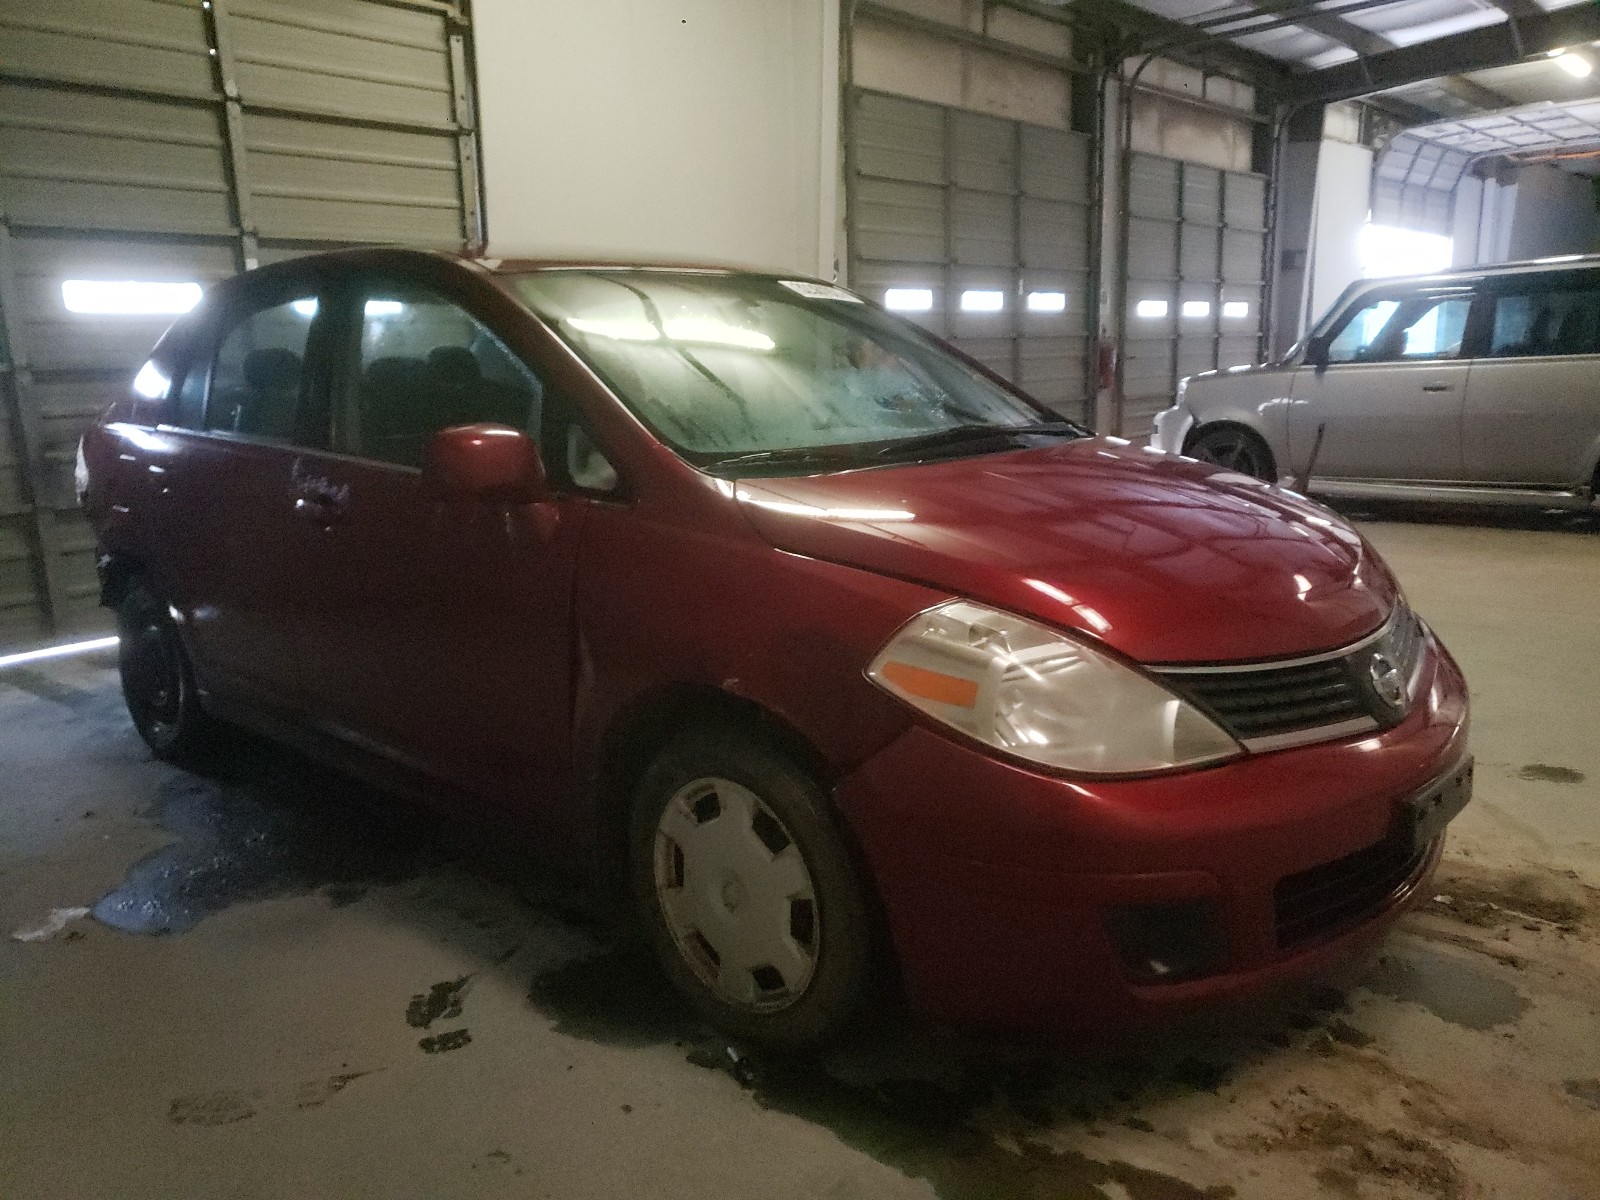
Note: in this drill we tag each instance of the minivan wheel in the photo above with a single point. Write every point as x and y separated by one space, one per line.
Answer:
747 890
1235 449
157 680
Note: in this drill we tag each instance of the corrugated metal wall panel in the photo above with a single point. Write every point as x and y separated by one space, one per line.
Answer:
949 200
164 140
145 45
1196 244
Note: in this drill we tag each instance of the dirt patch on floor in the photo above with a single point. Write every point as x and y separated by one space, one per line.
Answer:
1489 899
1358 1151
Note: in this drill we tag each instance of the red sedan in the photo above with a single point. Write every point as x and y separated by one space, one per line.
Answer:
831 647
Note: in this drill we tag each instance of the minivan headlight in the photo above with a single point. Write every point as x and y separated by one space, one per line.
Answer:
1023 688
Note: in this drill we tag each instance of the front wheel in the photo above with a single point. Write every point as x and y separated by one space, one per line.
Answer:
747 890
1234 449
157 680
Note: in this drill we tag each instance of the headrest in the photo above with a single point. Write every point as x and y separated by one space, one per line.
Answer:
272 369
454 364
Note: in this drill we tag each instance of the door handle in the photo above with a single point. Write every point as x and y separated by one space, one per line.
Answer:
1438 387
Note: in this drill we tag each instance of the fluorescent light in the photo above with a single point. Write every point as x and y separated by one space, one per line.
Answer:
128 297
1236 309
305 308
1151 308
28 656
704 330
1197 308
1575 65
382 308
908 299
1047 302
151 382
712 332
623 329
982 301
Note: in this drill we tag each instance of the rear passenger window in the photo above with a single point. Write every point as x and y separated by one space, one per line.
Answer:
255 382
426 365
1540 322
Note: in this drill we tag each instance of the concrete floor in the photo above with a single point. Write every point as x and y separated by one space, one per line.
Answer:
284 988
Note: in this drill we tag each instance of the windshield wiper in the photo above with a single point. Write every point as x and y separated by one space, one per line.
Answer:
958 434
788 454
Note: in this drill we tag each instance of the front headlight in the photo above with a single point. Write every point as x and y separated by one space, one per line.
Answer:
1027 690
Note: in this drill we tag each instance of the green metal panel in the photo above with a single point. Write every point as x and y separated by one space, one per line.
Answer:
174 140
949 200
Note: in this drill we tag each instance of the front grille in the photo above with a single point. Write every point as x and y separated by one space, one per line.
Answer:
1277 700
1334 896
1267 706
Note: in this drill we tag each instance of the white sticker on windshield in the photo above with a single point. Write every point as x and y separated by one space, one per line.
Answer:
819 291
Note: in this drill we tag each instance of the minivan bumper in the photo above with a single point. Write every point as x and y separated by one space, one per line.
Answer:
1003 886
1172 426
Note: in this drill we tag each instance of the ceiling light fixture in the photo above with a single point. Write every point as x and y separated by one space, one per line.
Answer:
1575 65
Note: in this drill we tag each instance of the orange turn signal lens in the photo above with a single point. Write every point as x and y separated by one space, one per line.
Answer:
931 685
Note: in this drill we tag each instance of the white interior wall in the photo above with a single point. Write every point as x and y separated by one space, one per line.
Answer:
1554 214
703 130
1343 200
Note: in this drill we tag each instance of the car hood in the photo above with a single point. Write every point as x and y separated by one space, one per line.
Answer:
1164 559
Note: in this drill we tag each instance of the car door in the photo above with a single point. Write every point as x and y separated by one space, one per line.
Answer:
1533 404
440 631
1389 399
225 543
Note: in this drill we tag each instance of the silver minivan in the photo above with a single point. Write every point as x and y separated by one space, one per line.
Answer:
1479 385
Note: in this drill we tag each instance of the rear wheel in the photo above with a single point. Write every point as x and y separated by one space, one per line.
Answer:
747 890
157 680
1235 449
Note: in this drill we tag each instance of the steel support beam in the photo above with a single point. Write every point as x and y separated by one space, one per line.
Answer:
1473 50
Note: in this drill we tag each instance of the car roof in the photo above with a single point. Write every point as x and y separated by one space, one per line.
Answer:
1526 266
379 255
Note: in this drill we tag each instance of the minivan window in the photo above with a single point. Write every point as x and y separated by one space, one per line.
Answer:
255 382
729 368
427 364
1398 329
1546 322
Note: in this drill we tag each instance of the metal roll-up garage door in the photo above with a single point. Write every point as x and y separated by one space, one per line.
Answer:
174 142
982 227
1195 255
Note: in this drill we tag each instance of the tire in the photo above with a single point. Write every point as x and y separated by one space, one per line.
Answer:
158 681
747 890
1234 449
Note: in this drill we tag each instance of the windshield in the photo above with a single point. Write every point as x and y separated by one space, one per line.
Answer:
764 372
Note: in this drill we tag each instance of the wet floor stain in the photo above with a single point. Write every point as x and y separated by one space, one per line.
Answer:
1452 989
444 1042
274 826
440 1002
1549 774
1586 1090
924 1109
37 683
212 1108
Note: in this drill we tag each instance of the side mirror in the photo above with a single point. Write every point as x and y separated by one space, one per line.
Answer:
483 462
1317 351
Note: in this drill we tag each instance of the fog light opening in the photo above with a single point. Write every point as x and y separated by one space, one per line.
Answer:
1170 941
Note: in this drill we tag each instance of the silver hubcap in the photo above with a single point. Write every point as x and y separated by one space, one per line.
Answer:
736 895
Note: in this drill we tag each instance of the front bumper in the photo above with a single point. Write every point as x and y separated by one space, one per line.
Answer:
997 879
1172 426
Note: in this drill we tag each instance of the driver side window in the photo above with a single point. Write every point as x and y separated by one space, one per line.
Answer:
427 364
1403 329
